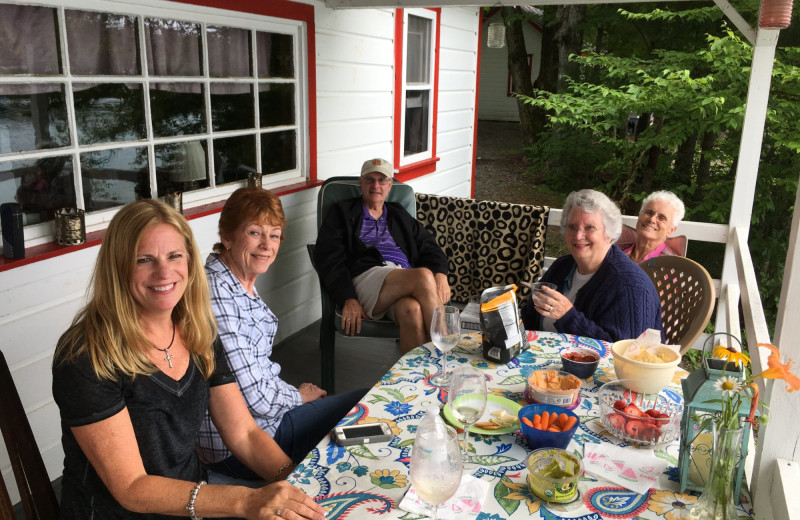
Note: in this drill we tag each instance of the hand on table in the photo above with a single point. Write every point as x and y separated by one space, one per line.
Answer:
551 303
311 392
442 287
352 314
282 500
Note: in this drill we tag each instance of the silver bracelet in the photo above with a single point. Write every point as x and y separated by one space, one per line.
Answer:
278 473
192 498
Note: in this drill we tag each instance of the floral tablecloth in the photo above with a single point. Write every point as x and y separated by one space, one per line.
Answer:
371 480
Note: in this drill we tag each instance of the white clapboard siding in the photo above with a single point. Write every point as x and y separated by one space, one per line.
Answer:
355 120
494 104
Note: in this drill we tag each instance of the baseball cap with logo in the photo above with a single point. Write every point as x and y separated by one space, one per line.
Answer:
377 165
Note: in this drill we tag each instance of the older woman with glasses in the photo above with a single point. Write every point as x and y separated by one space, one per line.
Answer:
600 292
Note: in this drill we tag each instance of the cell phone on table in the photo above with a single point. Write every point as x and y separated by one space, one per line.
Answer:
362 434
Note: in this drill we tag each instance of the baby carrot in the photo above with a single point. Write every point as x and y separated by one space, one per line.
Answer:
527 421
570 423
545 420
553 419
553 429
562 420
537 421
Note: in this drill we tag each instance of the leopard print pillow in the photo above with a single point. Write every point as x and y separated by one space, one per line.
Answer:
487 243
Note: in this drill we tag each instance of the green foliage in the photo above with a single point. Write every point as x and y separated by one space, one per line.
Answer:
694 90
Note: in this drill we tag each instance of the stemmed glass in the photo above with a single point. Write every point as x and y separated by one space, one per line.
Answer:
467 400
445 333
435 466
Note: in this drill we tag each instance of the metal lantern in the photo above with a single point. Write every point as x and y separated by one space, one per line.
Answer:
496 38
699 394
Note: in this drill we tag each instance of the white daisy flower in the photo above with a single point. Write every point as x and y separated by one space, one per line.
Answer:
728 385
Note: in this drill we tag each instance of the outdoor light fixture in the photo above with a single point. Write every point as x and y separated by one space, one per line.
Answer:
497 36
701 398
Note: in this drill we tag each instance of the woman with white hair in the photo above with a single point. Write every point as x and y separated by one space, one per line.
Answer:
599 292
659 216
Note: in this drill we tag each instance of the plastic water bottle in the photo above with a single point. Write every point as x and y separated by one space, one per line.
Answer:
432 423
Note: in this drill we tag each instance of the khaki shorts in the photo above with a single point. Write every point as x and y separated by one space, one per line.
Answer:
368 286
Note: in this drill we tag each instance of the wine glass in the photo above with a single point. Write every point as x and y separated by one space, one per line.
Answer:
445 333
435 465
467 400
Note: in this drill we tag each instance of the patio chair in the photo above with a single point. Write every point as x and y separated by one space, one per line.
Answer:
38 498
332 191
687 297
487 243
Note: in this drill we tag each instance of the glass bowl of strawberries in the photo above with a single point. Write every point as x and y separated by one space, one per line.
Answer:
640 419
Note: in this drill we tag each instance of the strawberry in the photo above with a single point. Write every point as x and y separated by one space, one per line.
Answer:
617 421
652 412
633 411
650 433
634 428
620 405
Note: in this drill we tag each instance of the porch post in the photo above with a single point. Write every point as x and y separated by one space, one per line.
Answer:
784 408
755 116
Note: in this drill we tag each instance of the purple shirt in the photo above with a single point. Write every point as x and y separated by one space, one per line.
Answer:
376 233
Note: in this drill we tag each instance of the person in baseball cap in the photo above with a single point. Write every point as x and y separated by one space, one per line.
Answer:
375 259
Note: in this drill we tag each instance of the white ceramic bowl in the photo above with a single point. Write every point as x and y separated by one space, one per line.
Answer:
646 378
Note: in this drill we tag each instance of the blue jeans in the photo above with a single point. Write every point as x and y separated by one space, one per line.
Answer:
300 431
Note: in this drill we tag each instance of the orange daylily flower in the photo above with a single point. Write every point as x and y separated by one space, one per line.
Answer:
778 370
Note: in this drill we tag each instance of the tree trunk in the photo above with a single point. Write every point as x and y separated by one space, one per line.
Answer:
520 70
548 66
569 38
704 168
653 156
684 160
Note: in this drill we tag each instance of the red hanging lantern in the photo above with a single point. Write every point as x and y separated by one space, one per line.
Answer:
775 14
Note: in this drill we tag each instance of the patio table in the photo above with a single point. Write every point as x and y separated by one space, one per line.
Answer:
371 480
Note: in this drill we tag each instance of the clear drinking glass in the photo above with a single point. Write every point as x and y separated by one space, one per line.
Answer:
445 333
435 465
467 400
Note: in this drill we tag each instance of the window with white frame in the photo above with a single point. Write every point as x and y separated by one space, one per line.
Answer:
99 108
418 85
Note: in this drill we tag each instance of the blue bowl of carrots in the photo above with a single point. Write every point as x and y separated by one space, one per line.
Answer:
561 425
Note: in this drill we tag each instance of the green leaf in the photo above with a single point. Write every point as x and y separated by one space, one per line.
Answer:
500 492
362 451
492 460
513 380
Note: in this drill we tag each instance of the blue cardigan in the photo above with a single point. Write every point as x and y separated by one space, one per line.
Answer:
618 302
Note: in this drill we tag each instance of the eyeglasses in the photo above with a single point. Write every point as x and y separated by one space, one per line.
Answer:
572 229
380 180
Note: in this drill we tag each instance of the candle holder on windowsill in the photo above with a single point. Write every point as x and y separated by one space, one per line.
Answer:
174 199
70 226
254 180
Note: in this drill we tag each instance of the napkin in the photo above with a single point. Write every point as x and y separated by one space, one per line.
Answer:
632 468
465 503
648 340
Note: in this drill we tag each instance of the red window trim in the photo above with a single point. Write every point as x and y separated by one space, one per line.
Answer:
418 169
52 249
286 9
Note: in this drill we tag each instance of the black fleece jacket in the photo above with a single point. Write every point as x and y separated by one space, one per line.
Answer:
340 256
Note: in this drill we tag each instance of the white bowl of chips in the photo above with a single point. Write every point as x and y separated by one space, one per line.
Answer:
650 371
